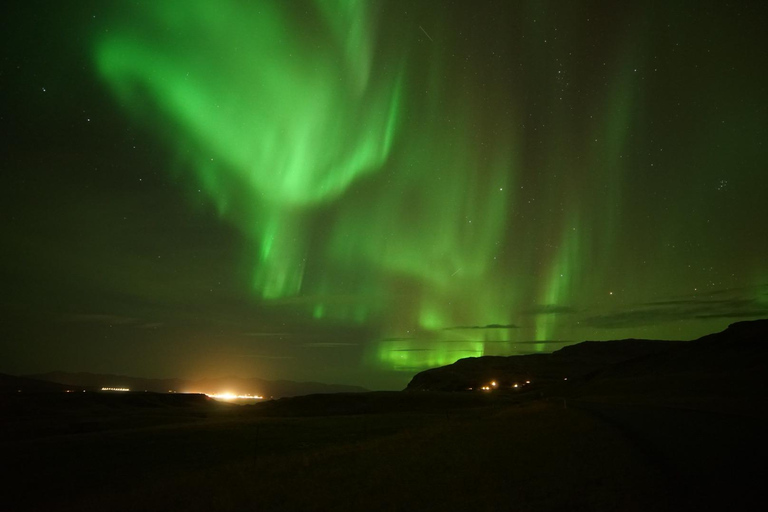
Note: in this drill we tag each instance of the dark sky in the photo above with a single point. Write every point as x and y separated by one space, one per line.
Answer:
355 191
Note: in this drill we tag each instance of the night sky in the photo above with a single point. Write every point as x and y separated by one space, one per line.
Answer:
353 192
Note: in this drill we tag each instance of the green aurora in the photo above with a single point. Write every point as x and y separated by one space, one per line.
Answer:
425 181
284 132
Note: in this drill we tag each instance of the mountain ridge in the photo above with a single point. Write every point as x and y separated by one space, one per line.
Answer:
235 385
734 352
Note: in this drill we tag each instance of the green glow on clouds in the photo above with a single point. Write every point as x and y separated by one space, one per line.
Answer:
380 182
279 127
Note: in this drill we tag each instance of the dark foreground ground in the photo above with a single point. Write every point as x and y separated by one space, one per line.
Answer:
374 451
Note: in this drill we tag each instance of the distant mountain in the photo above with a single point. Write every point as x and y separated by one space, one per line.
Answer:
235 385
97 381
14 384
738 355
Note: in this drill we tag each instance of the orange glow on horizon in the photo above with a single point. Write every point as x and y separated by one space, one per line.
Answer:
227 396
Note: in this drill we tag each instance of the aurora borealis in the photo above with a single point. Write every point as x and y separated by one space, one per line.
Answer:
353 191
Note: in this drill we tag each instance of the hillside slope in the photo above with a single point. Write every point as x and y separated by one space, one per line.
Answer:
728 364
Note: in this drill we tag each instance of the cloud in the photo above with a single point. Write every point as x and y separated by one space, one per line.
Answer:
340 299
489 326
329 344
756 313
541 342
98 318
414 369
690 308
266 334
503 341
466 341
262 356
109 319
151 325
732 303
550 309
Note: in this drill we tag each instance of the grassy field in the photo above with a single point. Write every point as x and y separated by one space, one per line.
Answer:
377 451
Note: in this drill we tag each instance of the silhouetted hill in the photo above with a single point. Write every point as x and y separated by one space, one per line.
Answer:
741 348
726 364
728 367
569 362
236 385
97 381
14 384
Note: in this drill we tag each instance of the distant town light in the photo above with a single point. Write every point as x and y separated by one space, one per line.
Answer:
231 396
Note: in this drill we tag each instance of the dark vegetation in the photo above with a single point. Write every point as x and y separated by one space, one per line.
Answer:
675 429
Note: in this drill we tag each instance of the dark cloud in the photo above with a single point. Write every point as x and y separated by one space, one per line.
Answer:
507 341
723 295
681 309
738 314
489 326
266 334
339 299
414 369
98 318
328 344
262 356
550 309
110 319
731 303
543 342
151 325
